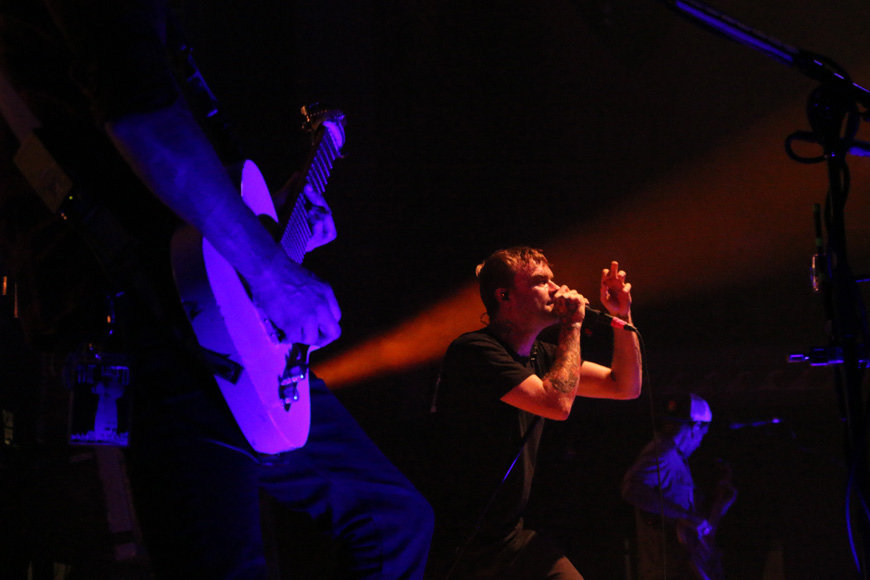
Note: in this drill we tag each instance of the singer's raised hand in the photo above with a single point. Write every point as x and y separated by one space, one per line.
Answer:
615 291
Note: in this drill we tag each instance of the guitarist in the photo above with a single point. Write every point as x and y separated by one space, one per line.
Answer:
103 68
660 484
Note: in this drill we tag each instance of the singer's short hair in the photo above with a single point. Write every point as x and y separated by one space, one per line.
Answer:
500 269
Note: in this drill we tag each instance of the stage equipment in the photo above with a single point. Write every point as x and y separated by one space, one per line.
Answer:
835 110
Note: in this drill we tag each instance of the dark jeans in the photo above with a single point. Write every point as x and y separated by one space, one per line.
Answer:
198 501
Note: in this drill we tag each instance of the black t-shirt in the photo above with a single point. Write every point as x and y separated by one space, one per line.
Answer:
477 437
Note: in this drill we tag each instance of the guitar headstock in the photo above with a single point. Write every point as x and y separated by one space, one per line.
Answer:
332 120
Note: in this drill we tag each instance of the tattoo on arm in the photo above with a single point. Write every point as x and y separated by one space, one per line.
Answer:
565 373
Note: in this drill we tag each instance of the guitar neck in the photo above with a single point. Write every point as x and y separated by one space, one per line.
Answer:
326 148
723 498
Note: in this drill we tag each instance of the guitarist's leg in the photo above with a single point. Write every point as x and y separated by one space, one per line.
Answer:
197 500
382 524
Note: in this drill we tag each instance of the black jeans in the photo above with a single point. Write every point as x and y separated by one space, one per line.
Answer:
198 500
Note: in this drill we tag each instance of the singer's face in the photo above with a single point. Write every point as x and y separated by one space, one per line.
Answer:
533 294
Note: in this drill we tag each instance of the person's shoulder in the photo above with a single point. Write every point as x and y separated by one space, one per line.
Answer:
473 344
475 337
660 446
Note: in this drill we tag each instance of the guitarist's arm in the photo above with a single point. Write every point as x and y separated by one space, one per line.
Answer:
726 494
648 499
173 157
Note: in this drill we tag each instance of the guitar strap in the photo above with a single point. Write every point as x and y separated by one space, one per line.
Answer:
199 96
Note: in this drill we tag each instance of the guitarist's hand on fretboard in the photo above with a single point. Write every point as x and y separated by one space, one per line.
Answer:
319 219
726 494
319 215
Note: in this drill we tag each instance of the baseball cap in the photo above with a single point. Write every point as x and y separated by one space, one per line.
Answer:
688 407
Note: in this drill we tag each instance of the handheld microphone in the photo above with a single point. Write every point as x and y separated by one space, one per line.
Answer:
597 317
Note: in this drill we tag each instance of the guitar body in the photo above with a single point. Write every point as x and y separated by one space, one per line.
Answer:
265 382
705 557
227 322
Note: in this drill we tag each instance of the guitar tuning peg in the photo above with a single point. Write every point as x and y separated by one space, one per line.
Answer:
310 112
315 114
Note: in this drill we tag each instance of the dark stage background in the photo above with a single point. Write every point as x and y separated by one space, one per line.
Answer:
609 129
597 130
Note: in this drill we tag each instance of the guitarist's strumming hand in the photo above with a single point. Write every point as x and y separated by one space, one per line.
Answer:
297 302
694 527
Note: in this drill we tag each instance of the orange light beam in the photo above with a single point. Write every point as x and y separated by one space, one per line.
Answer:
741 211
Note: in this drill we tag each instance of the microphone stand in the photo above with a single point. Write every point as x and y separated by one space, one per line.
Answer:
834 114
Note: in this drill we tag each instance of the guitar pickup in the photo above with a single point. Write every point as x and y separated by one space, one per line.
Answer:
296 370
288 394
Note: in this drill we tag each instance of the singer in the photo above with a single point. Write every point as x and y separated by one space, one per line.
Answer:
495 386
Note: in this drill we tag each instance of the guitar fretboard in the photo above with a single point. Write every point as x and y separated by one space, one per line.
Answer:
297 233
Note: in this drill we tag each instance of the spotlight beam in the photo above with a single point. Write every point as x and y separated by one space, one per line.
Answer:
740 212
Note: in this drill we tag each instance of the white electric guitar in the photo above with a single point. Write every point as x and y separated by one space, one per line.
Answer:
264 381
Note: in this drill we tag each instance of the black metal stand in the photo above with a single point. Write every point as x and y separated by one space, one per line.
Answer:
834 111
833 115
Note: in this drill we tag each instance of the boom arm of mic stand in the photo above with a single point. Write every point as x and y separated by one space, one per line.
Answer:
815 66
